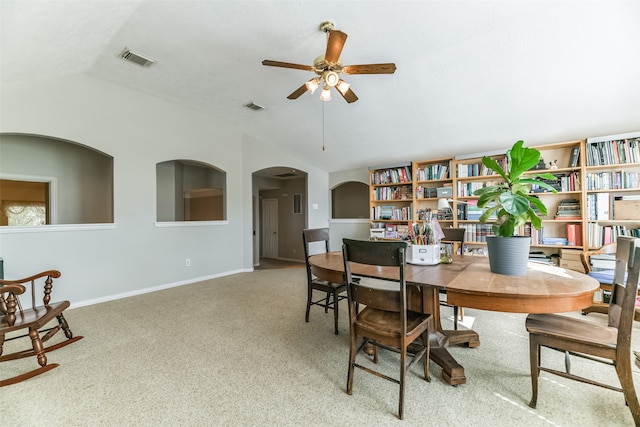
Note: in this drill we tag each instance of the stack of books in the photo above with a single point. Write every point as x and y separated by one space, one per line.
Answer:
569 209
602 262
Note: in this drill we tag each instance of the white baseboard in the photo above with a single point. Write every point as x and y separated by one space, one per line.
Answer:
114 297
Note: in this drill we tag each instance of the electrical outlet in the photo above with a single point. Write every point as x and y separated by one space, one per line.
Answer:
187 262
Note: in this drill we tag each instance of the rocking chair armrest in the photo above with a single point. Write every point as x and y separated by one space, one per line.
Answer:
14 289
51 273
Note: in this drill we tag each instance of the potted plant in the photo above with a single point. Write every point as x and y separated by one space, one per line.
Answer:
512 205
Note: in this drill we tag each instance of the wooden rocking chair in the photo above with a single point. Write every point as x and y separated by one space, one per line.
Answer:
14 318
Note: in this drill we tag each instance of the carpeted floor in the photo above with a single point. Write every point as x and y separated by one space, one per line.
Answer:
236 351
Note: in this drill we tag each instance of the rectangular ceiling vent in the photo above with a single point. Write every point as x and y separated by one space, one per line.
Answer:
254 107
136 57
285 175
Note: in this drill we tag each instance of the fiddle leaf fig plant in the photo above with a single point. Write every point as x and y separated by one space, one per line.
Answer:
510 200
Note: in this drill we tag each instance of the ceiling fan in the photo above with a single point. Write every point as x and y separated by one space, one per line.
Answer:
328 68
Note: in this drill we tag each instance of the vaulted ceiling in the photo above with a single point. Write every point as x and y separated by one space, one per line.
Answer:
471 76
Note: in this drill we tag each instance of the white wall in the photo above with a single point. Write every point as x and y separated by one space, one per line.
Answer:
134 255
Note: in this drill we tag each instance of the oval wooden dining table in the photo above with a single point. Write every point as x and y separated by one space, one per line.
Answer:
469 283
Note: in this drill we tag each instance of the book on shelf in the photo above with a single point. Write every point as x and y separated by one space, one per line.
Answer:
559 241
574 234
540 258
575 156
602 206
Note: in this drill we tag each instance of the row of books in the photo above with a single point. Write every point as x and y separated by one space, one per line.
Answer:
392 193
613 152
392 213
432 172
598 235
599 206
613 180
426 192
478 169
563 182
470 211
477 232
391 176
466 189
538 237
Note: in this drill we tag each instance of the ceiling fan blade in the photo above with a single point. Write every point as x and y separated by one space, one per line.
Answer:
349 96
334 46
296 93
388 68
270 63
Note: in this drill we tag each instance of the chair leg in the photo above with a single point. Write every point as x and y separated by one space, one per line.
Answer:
309 295
403 374
534 362
427 343
38 348
625 376
65 326
326 303
352 361
335 310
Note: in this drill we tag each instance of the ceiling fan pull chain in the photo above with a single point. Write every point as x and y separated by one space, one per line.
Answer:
323 126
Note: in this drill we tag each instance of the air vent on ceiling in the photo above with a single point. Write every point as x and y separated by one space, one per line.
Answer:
285 175
136 57
254 107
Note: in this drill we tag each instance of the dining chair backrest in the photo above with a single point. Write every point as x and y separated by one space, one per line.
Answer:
376 253
623 296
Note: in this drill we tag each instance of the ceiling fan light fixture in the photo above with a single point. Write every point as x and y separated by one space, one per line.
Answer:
326 93
343 86
312 85
331 78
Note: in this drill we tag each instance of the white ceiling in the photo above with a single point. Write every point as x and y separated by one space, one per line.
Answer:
471 76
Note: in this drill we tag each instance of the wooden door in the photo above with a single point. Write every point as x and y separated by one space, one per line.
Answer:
270 228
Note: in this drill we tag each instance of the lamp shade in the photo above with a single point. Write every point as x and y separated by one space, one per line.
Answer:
326 93
312 85
443 204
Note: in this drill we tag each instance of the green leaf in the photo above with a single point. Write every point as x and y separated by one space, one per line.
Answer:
494 166
538 204
535 221
505 229
487 213
525 159
514 204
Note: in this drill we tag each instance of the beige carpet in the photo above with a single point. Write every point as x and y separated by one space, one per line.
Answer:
236 351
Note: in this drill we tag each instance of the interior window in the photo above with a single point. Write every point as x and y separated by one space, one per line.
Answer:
350 200
188 190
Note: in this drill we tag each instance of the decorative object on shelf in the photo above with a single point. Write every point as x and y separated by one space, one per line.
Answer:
511 202
553 164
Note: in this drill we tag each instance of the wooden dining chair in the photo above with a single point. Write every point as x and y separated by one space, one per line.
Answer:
609 344
35 320
332 290
453 236
385 322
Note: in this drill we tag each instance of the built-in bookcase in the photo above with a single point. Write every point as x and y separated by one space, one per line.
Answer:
598 194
